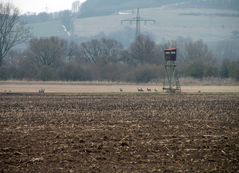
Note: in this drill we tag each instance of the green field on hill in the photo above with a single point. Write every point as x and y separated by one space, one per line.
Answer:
207 24
47 29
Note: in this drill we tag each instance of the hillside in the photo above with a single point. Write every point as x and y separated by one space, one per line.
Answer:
106 7
171 23
48 29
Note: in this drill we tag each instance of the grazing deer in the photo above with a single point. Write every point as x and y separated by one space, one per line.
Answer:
121 90
41 91
148 89
7 91
155 90
140 89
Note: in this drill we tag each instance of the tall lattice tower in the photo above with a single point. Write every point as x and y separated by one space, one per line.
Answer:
171 82
138 20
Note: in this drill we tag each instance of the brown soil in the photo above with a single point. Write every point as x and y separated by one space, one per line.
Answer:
119 133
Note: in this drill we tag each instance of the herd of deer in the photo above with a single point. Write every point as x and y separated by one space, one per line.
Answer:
142 90
148 89
42 91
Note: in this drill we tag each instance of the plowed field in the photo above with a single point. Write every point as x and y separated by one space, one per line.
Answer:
119 133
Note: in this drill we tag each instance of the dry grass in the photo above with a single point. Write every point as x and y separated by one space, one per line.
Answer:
103 87
210 89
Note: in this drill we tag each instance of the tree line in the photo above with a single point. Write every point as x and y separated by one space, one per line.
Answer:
106 59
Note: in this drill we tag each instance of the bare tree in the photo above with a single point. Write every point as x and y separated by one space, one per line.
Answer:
12 32
90 50
143 50
47 51
199 60
101 51
66 20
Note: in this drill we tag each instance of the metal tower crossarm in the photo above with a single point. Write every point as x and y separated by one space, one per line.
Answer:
138 21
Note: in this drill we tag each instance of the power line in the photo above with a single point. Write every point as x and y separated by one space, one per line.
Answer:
138 21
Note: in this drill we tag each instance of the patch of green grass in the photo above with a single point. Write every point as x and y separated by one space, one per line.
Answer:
47 29
170 24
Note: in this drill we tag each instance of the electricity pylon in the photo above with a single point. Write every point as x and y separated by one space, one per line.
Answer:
138 21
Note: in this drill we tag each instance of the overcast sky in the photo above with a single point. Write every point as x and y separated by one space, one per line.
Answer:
41 5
